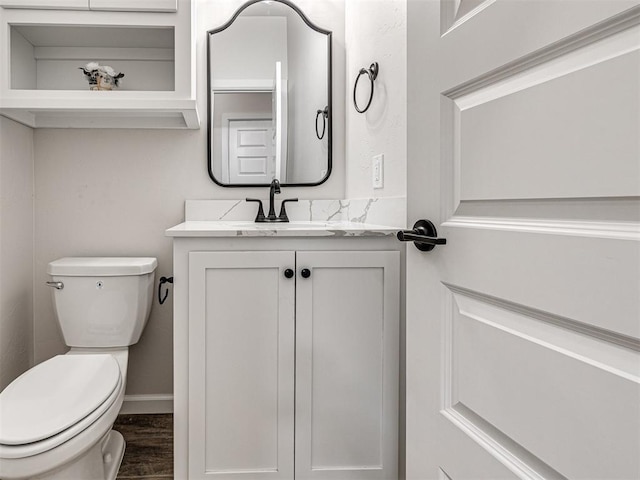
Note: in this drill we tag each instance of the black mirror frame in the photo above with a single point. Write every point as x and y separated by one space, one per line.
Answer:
310 24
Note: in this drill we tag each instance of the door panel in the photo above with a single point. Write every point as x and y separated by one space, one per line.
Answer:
251 157
554 381
346 420
544 141
530 161
244 398
549 266
495 20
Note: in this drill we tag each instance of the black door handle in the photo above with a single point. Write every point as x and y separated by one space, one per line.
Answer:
305 272
424 236
288 273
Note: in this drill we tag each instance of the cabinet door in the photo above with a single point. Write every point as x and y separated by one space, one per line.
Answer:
241 365
347 349
47 4
115 5
135 5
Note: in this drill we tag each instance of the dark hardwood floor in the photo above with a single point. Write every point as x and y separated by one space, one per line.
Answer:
149 451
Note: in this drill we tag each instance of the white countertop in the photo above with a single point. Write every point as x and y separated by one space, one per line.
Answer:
221 228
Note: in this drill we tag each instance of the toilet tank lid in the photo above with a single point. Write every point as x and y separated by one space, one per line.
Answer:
102 266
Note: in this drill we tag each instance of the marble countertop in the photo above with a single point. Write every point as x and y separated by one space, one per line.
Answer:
199 228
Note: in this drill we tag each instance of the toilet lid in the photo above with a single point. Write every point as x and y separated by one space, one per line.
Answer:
55 395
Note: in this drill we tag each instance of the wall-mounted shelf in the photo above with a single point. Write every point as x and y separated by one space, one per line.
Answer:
42 87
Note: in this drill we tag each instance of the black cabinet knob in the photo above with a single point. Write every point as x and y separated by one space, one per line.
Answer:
305 272
288 273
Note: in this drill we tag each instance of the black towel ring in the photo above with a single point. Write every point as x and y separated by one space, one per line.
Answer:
163 280
325 115
372 72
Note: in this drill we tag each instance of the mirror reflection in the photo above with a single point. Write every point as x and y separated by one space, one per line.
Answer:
269 97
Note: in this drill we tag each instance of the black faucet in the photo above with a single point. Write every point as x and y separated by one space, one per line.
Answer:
271 217
273 189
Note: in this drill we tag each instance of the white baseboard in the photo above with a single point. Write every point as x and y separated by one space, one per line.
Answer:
140 404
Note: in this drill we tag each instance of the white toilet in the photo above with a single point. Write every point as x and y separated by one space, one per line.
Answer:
56 418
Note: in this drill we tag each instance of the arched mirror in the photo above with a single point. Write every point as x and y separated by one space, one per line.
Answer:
269 104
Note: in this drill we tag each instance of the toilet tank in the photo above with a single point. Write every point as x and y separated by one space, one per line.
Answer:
103 301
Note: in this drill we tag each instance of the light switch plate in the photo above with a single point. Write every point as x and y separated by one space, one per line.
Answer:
377 171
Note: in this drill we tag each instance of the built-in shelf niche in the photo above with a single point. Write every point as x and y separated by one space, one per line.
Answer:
48 57
41 85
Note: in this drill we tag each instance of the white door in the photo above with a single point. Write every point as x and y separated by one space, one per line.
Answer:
523 331
347 322
251 154
241 365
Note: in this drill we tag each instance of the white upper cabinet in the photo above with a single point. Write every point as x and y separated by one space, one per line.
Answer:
115 5
53 4
42 86
135 5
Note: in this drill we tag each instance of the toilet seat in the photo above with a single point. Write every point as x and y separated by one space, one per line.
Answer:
54 401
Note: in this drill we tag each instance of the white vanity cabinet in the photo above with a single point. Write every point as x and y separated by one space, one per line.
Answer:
151 41
288 353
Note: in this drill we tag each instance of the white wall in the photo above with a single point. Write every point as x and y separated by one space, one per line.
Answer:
249 49
376 31
114 192
16 249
